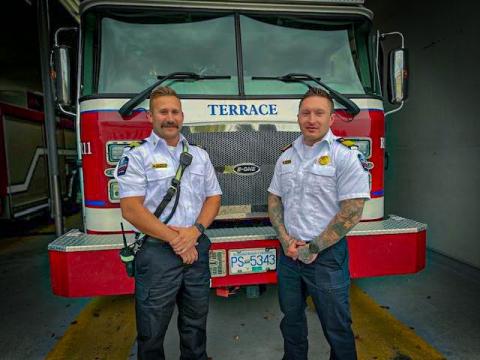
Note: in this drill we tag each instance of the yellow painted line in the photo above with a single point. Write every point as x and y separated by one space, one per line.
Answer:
380 336
105 329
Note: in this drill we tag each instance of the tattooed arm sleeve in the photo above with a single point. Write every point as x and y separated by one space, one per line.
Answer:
275 212
347 217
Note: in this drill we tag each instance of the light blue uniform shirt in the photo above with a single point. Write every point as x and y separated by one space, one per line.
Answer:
311 191
148 172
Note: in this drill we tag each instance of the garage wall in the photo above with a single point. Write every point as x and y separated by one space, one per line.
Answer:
19 55
434 142
19 48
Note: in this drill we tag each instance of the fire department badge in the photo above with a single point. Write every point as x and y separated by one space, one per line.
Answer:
122 166
324 160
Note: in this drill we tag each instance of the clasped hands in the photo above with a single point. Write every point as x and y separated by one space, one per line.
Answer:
184 244
298 250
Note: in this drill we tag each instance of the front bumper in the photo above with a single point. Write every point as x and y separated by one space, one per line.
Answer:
89 265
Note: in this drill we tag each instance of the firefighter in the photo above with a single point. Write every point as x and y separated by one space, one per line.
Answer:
316 196
172 264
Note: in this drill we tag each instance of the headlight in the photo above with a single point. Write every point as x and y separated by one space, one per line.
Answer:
113 194
364 145
114 150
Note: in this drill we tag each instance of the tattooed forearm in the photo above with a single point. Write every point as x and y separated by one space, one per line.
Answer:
348 216
275 212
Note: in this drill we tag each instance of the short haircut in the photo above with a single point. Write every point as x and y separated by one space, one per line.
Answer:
313 91
162 91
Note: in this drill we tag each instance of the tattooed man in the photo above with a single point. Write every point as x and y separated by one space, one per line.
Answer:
316 196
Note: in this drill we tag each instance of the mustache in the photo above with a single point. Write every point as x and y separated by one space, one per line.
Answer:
169 124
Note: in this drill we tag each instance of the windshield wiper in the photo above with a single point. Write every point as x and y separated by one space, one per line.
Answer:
127 108
352 108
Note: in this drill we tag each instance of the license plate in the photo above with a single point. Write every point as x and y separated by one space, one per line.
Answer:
252 260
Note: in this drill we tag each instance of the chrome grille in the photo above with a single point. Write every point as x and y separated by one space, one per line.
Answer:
235 147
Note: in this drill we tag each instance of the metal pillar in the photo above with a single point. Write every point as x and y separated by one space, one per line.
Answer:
49 109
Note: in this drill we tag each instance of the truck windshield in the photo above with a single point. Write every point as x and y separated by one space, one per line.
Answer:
133 55
276 46
136 48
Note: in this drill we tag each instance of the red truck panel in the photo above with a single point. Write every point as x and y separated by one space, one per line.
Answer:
100 272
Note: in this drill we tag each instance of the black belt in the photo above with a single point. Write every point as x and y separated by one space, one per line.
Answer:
155 241
150 240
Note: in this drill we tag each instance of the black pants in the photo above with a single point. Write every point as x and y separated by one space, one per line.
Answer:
161 280
327 281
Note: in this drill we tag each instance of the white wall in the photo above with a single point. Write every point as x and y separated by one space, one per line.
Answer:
434 143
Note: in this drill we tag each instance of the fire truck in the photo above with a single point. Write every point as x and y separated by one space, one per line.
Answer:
240 68
24 185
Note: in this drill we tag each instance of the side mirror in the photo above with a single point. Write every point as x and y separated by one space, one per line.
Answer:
61 56
398 76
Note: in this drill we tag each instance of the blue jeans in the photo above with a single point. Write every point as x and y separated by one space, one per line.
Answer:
327 281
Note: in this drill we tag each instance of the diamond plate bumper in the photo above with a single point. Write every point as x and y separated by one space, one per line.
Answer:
75 240
89 265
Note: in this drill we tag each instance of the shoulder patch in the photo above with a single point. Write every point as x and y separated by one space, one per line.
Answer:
135 144
367 165
348 143
286 147
122 166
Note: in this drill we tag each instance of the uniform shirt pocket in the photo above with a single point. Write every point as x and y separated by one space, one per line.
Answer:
286 179
321 178
158 181
197 180
160 174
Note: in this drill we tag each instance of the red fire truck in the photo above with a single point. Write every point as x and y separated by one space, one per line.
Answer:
24 186
240 68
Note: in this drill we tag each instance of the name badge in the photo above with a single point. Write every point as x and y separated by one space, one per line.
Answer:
286 162
160 165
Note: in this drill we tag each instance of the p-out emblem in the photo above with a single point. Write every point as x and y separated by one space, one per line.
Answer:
246 169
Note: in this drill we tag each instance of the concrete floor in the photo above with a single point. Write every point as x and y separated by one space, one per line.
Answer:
439 303
32 319
242 328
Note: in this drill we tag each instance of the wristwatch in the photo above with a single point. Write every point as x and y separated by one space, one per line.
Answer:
200 227
313 247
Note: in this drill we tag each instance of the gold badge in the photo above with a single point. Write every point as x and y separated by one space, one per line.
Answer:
160 165
286 162
324 160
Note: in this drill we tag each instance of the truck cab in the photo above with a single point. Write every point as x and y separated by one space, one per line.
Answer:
240 68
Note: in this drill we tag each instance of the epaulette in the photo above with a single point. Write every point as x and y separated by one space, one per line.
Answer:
348 143
135 144
287 147
200 146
